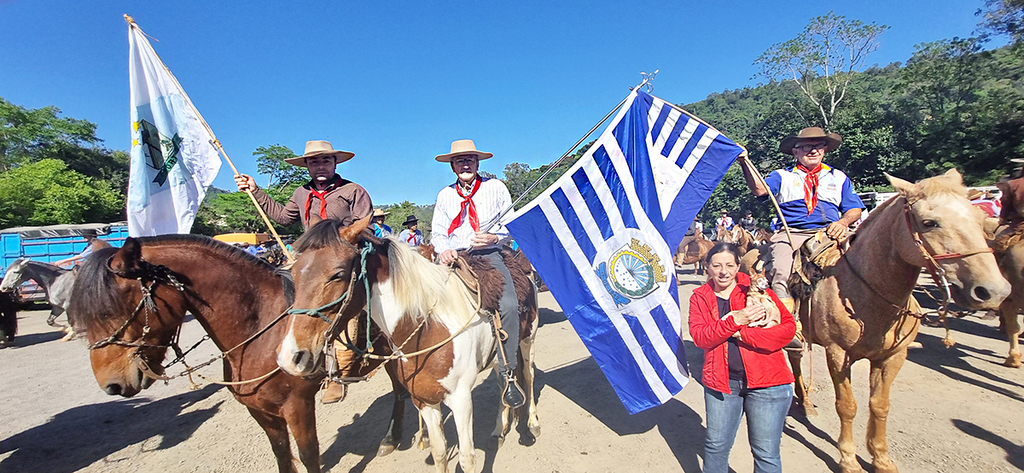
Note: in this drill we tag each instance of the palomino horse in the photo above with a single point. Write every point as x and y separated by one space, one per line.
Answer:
692 250
135 302
858 309
56 281
427 313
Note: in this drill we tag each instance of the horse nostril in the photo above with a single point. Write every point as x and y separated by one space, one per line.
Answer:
300 359
982 294
113 389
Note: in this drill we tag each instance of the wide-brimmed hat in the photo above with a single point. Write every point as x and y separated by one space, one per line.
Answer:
463 148
832 140
379 213
410 220
320 148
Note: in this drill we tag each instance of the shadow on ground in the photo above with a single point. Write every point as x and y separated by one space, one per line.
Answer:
81 436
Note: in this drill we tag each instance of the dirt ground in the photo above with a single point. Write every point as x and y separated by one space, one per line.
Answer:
953 410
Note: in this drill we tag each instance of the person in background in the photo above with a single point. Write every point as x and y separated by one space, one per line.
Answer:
90 239
411 235
725 221
747 222
380 230
745 370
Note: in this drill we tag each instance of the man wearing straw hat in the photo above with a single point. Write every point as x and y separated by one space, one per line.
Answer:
380 230
465 218
411 235
811 195
326 195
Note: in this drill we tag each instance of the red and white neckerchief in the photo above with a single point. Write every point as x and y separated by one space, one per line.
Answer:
322 196
810 186
467 206
412 238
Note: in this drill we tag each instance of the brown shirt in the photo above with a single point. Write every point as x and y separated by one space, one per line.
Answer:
347 202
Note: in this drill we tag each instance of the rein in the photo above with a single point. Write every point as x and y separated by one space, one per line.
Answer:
160 273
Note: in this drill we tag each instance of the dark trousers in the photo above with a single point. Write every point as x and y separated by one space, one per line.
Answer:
508 310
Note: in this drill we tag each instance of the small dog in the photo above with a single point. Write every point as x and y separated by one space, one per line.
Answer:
758 294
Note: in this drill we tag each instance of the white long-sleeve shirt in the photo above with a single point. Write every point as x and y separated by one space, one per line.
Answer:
491 200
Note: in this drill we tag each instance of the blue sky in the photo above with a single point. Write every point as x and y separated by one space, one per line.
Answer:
395 82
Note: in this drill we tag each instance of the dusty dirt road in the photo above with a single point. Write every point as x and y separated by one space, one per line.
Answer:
954 410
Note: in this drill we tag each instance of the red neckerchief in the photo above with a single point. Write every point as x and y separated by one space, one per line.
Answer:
322 196
467 203
810 186
412 237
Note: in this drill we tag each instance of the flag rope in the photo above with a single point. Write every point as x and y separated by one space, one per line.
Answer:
216 142
496 220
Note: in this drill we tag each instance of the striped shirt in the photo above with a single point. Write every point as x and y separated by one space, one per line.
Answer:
835 196
491 199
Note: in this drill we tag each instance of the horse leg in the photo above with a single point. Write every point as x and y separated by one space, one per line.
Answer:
277 431
438 449
846 407
527 372
394 434
1008 313
883 372
501 426
55 311
800 388
301 419
461 403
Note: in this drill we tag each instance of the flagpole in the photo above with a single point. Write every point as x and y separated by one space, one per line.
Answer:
216 142
552 167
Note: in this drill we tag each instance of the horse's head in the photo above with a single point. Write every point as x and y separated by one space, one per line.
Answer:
329 286
952 235
14 275
129 311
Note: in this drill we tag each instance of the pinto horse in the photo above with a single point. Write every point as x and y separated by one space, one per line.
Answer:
427 313
859 308
130 303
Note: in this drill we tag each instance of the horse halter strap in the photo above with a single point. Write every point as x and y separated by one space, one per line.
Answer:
156 273
938 274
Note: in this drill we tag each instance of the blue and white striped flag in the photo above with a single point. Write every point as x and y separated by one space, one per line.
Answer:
602 239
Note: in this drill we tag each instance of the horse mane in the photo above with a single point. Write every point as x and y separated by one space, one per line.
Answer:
100 300
424 289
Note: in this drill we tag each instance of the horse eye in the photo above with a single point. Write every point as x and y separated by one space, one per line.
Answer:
929 223
340 275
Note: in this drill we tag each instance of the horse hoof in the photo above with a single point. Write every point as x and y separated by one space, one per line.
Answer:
385 449
527 439
1013 361
535 431
495 443
424 443
810 411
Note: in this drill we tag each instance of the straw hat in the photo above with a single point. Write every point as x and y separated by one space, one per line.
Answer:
379 213
832 140
463 148
320 148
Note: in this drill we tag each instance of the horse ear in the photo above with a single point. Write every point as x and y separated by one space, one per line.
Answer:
352 232
903 187
127 258
955 175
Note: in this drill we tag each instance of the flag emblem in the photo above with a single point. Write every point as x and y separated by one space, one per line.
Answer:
631 273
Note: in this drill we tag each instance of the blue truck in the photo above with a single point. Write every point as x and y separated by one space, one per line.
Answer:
50 244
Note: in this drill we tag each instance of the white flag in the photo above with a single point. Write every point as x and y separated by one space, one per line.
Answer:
173 158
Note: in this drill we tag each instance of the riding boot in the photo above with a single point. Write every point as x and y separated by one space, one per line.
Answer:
334 392
508 333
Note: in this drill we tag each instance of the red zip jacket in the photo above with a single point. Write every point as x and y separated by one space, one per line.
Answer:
761 348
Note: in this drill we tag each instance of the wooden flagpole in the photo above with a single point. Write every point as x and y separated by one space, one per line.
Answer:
216 143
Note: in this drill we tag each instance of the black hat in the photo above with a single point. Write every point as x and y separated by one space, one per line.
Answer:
410 220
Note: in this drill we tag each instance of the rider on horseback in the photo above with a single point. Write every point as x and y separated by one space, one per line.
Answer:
812 196
462 219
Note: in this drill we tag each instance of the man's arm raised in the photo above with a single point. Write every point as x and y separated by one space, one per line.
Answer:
750 174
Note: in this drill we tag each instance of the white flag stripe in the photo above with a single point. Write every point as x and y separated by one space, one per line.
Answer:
596 288
579 205
666 130
684 138
604 194
661 346
618 160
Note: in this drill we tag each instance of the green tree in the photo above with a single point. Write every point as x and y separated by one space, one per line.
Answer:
516 175
1003 17
32 134
48 193
822 60
270 162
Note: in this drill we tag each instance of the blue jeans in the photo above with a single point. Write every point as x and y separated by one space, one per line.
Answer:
766 410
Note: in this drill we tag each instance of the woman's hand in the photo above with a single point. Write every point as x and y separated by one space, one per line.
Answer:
750 314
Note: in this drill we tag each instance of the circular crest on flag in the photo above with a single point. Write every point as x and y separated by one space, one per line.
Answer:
631 272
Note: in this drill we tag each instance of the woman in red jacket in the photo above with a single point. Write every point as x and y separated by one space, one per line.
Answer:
745 370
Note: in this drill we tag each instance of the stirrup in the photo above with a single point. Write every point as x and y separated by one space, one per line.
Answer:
513 396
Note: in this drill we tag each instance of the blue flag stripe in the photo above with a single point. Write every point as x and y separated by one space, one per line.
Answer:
659 123
589 196
692 143
615 185
670 331
572 222
653 355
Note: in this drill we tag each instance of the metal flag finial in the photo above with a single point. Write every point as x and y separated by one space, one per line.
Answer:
648 77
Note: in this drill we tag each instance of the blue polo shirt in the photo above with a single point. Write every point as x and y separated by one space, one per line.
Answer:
835 196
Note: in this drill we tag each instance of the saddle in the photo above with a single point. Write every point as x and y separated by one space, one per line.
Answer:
811 261
481 277
1008 237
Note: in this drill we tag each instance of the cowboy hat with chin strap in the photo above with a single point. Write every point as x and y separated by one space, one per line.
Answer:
832 140
463 148
320 148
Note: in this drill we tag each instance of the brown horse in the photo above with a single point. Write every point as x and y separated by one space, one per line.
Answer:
1008 243
692 250
858 309
425 311
131 302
